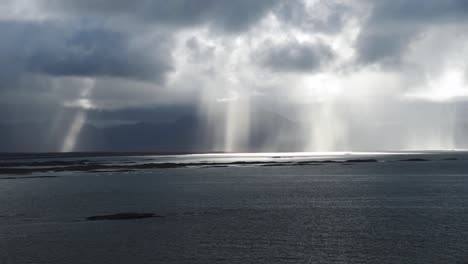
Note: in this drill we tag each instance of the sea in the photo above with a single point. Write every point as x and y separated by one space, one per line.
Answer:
341 207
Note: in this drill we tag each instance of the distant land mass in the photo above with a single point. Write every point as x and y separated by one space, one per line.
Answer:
183 135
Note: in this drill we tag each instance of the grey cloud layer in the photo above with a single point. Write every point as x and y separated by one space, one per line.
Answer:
102 46
393 24
226 15
52 48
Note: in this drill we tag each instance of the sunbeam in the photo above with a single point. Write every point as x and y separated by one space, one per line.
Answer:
82 105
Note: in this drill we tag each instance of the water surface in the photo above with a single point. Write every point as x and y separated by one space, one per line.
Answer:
390 211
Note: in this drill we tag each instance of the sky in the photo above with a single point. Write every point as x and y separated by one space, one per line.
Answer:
223 75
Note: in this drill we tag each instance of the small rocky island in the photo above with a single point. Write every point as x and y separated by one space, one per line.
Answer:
122 216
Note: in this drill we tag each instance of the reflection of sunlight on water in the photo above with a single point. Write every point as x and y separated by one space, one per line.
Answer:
294 154
274 156
83 104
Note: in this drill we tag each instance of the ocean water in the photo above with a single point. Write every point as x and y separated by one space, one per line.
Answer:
406 208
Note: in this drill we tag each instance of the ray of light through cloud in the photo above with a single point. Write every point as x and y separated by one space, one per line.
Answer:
235 76
81 106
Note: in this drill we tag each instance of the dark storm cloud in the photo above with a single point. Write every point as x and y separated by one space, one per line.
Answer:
103 45
295 57
393 24
60 50
226 15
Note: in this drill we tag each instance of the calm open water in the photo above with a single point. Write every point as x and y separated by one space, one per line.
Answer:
385 212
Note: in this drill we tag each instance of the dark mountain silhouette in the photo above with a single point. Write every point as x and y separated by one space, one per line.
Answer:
181 135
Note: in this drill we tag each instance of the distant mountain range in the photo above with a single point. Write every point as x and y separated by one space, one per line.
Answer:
184 134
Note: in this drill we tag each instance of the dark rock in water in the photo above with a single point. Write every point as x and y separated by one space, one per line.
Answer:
450 159
277 164
308 163
46 163
167 165
28 177
122 216
188 213
361 160
416 159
